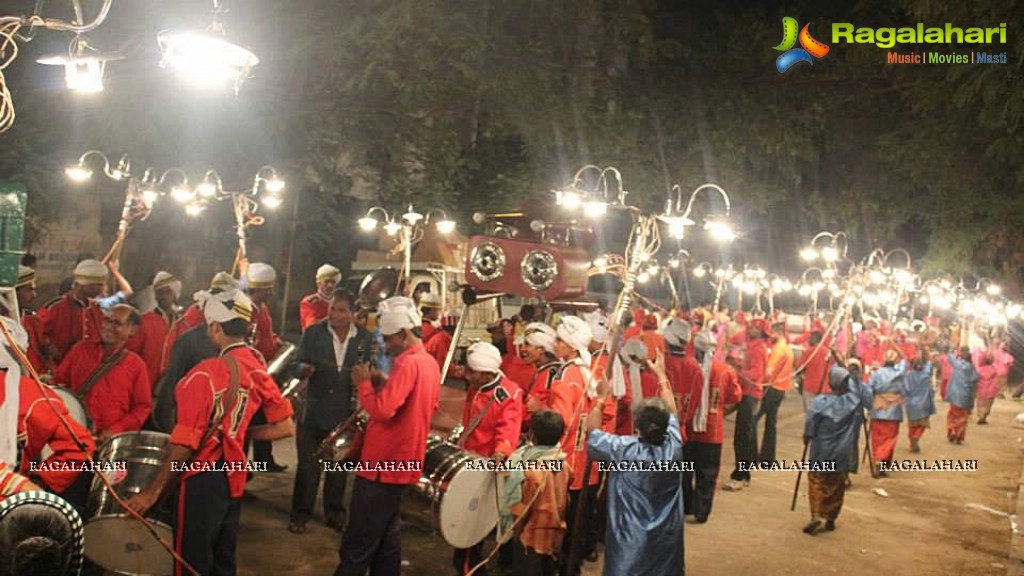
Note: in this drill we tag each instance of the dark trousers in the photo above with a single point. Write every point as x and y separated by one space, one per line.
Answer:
373 540
588 541
699 485
528 562
464 559
307 477
262 450
744 440
78 492
770 410
206 525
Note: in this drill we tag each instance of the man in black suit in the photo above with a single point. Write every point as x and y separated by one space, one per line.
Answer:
327 352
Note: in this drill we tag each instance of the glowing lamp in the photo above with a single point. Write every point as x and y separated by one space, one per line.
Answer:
445 226
78 173
809 254
720 230
367 223
182 194
206 59
594 208
271 201
392 228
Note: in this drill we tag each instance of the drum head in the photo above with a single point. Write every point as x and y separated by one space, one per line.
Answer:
123 545
469 507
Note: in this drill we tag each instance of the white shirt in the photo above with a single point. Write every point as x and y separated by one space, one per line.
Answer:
341 346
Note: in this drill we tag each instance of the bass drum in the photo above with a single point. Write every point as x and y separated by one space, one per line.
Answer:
461 504
75 409
113 539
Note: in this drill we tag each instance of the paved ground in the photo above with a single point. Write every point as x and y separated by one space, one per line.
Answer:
929 524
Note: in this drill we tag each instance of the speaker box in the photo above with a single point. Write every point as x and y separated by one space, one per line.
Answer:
526 269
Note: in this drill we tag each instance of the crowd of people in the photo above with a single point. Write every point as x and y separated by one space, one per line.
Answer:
614 405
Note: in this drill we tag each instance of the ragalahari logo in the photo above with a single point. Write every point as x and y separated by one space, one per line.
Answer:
792 56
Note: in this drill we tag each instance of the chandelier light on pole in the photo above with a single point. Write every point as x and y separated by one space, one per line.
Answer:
831 253
594 201
408 230
80 171
717 225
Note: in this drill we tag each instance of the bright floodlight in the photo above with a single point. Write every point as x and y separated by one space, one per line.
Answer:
367 223
275 185
594 209
271 201
206 59
445 226
809 254
570 200
182 194
78 173
720 230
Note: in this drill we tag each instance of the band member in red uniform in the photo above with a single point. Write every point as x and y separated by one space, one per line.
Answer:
704 429
314 307
216 403
30 419
39 352
262 279
435 340
683 371
518 369
78 315
148 341
491 420
110 380
752 381
400 411
193 317
537 348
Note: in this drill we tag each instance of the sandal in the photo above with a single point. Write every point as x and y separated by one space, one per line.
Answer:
297 527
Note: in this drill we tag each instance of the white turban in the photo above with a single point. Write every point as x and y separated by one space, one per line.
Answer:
677 333
634 355
430 300
327 271
397 313
261 275
26 277
598 323
224 282
225 306
705 341
538 334
484 357
11 386
575 332
167 280
90 272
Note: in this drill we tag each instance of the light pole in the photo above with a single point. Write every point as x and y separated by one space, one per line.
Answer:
408 230
678 219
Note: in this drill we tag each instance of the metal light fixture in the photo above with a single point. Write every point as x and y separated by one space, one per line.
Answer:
206 57
678 219
83 65
80 172
273 185
595 201
445 225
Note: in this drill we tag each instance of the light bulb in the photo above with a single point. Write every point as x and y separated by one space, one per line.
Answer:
274 185
594 209
149 196
271 201
809 254
207 189
367 223
829 254
78 173
720 230
570 200
194 209
446 226
182 194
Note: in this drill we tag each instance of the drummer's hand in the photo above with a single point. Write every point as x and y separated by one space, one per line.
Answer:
499 457
658 365
103 436
142 502
306 370
361 372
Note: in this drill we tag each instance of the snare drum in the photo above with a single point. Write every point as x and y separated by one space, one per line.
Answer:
113 539
461 504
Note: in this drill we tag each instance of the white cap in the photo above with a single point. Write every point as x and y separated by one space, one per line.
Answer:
705 341
430 300
225 307
575 332
167 280
90 272
261 275
484 357
538 334
634 348
223 281
327 271
598 326
397 313
677 333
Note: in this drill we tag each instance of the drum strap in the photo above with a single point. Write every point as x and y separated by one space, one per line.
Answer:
229 399
97 374
475 421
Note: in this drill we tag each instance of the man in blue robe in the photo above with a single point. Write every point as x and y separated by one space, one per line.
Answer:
963 384
644 536
919 400
831 427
